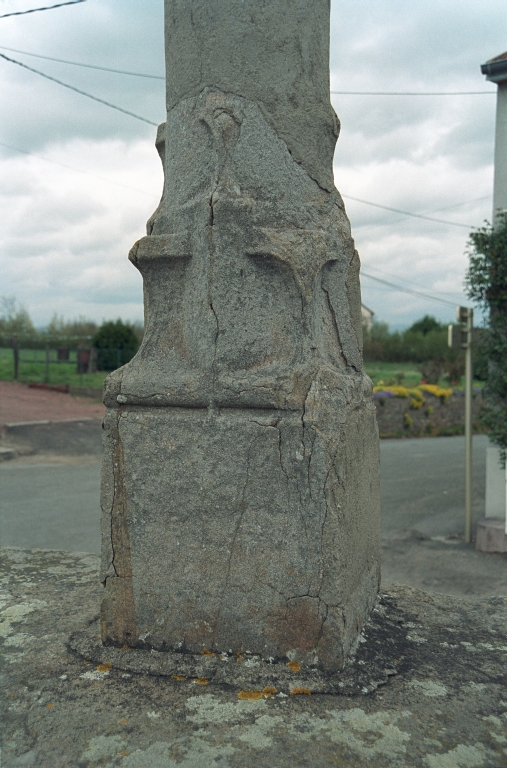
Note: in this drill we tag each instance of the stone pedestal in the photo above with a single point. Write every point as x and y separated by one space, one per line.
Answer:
240 481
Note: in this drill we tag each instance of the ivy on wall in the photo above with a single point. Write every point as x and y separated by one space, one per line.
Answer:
486 284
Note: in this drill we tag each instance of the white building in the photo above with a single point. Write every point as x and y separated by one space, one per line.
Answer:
367 315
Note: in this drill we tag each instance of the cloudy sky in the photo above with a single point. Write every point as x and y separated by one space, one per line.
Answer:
78 179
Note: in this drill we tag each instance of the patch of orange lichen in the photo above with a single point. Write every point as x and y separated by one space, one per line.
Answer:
105 667
123 722
205 652
294 666
239 657
299 691
86 661
269 691
201 680
50 706
178 677
125 648
250 695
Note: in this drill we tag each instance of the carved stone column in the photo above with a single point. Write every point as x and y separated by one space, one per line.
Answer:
240 481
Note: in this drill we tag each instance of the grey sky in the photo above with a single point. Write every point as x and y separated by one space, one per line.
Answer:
65 235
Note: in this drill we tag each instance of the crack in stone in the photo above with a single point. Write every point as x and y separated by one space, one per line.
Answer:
303 417
335 325
278 429
234 537
116 472
200 89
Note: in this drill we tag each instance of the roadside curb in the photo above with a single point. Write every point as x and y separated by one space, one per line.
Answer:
69 436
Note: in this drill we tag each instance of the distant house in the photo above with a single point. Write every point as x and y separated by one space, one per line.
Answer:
367 315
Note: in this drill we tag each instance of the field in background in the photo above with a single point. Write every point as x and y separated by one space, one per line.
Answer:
406 374
59 373
66 373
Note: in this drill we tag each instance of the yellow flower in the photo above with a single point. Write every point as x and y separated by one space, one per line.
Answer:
441 392
395 389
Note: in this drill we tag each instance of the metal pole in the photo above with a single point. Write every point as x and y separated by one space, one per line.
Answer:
468 426
46 377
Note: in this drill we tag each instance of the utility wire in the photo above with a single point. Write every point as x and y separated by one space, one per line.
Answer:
405 213
78 170
162 77
46 8
459 205
79 64
413 282
410 93
77 90
419 294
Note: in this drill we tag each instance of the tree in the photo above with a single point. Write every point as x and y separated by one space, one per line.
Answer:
425 325
486 283
61 331
116 344
15 320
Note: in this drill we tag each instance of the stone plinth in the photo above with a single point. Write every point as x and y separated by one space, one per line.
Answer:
240 483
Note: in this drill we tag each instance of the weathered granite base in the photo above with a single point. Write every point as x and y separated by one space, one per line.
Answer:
251 530
445 708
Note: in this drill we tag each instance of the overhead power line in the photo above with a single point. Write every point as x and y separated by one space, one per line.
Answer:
412 292
406 213
80 64
45 8
78 170
417 285
367 202
77 90
410 93
162 77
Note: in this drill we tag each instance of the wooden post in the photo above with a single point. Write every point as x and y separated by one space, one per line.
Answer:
46 377
15 352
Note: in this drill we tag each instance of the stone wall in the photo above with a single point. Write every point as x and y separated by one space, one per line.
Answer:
396 417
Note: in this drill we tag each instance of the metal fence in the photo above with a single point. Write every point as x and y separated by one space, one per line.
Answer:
86 359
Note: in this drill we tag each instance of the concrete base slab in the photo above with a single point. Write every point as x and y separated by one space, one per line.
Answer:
446 706
490 535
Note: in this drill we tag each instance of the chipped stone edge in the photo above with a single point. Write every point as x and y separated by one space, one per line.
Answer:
361 676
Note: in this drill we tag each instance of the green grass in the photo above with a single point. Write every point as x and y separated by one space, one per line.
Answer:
65 373
59 373
388 373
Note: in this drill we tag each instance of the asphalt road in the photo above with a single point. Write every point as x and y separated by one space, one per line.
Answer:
423 484
48 504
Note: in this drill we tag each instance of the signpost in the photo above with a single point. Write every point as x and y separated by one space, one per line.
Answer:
461 338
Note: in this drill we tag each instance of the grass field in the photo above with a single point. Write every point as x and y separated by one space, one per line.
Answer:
406 374
394 373
32 368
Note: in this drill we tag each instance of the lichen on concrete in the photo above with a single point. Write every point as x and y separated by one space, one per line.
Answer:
445 708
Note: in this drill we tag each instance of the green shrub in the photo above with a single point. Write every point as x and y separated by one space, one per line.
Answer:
116 344
486 282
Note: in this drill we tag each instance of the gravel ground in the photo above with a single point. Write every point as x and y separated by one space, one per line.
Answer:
19 402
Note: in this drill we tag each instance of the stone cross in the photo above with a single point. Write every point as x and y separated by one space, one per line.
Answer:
240 484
